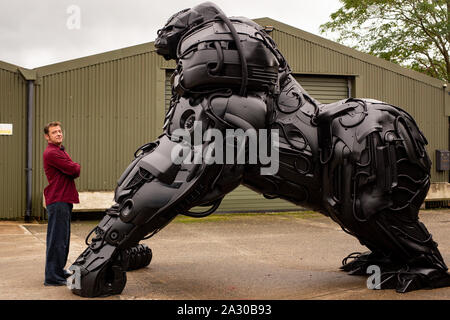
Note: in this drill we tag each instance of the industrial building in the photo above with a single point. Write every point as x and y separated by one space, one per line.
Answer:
114 102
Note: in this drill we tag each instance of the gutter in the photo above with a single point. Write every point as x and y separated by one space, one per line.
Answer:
30 77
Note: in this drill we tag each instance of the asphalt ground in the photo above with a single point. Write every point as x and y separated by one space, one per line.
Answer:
268 256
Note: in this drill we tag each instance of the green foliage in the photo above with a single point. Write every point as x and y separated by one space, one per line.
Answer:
412 33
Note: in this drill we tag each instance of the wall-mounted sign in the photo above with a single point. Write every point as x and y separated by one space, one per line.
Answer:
6 129
442 160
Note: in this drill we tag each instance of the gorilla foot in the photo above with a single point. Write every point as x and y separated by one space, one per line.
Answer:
103 272
138 257
394 276
410 279
361 261
98 274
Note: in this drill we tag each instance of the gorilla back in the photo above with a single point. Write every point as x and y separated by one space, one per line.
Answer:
361 162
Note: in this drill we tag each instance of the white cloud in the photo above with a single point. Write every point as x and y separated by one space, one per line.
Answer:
35 33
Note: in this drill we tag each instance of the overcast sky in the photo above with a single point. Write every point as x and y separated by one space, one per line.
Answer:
34 33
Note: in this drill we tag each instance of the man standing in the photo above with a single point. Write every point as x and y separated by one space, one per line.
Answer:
60 195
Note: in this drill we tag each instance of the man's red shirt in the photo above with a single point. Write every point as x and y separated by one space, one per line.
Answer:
61 172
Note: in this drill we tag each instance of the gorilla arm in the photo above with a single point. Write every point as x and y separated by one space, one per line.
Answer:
154 188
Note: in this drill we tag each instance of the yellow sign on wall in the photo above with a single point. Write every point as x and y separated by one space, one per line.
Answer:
6 129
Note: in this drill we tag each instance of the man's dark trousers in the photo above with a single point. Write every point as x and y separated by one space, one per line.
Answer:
58 240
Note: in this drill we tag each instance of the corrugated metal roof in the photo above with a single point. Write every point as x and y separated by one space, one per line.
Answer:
95 59
8 66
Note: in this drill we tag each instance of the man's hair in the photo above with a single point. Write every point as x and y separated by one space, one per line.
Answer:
51 124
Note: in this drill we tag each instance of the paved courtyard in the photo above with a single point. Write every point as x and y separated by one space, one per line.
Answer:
277 256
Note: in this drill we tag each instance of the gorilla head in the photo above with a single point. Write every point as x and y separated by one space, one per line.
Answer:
168 37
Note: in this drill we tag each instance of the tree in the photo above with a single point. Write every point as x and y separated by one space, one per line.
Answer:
412 33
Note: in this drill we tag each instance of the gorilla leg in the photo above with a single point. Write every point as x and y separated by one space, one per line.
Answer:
386 178
403 249
102 267
152 191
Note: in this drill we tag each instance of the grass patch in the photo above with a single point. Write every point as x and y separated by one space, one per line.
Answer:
229 216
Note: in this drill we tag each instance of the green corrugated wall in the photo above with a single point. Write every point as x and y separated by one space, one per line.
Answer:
108 109
12 147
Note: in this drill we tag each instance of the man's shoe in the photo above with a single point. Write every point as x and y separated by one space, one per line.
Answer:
55 284
67 274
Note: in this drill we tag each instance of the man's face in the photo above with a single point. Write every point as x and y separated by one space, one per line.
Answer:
54 135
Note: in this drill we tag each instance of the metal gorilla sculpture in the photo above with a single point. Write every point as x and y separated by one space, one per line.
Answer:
361 162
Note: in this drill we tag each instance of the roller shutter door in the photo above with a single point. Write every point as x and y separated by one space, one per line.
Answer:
242 199
326 89
167 90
